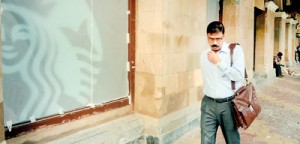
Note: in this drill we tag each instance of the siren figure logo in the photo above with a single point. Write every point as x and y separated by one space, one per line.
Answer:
48 51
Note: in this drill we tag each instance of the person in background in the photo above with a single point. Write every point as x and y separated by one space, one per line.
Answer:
216 107
277 64
298 52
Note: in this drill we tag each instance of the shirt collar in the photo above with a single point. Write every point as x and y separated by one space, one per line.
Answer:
225 48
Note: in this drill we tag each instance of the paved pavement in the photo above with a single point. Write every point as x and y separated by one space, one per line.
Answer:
279 121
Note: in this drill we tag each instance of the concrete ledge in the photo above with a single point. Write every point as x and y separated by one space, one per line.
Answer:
172 126
126 128
122 130
47 134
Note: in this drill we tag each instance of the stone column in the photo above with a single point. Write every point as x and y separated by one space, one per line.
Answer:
280 28
279 3
265 40
168 86
289 42
238 19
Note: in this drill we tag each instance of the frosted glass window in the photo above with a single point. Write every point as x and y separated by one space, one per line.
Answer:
59 55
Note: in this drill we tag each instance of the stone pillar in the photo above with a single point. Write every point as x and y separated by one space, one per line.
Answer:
280 28
168 86
265 40
238 19
279 3
260 4
289 42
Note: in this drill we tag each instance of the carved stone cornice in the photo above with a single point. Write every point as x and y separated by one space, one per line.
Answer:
281 15
291 21
270 5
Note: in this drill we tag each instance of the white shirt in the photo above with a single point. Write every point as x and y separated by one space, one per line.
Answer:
217 78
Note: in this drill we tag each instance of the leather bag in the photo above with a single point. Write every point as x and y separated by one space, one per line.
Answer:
245 105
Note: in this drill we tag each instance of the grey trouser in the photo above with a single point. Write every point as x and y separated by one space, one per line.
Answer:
213 115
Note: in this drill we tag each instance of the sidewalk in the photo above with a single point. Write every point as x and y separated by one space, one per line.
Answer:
279 121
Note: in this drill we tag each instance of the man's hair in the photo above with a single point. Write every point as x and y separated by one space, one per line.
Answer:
215 27
279 54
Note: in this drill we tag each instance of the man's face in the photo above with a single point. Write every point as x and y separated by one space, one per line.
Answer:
215 40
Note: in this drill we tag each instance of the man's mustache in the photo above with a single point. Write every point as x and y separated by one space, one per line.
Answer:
214 45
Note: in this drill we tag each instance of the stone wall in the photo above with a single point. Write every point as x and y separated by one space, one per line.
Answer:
169 38
170 35
265 40
280 28
238 18
260 4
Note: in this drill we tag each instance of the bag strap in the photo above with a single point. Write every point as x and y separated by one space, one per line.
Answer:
231 47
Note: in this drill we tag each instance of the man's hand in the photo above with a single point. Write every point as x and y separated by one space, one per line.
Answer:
213 57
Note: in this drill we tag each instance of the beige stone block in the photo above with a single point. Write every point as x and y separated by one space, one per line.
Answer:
172 24
181 43
193 61
141 43
172 84
175 63
260 4
249 3
183 81
194 45
199 8
193 95
150 43
187 7
198 80
150 63
144 84
149 5
160 92
191 79
168 44
159 107
200 93
171 7
160 80
186 23
259 67
147 106
154 43
149 22
175 102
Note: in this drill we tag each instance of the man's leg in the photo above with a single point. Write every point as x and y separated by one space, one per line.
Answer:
208 121
277 69
229 129
280 71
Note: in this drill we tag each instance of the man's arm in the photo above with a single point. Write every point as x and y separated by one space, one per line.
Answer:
236 72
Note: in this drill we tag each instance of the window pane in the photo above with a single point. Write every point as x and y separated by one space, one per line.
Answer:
58 55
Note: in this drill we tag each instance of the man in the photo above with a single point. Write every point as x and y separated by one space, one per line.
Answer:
216 108
277 65
298 52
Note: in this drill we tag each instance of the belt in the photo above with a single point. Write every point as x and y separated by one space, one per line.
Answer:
221 100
